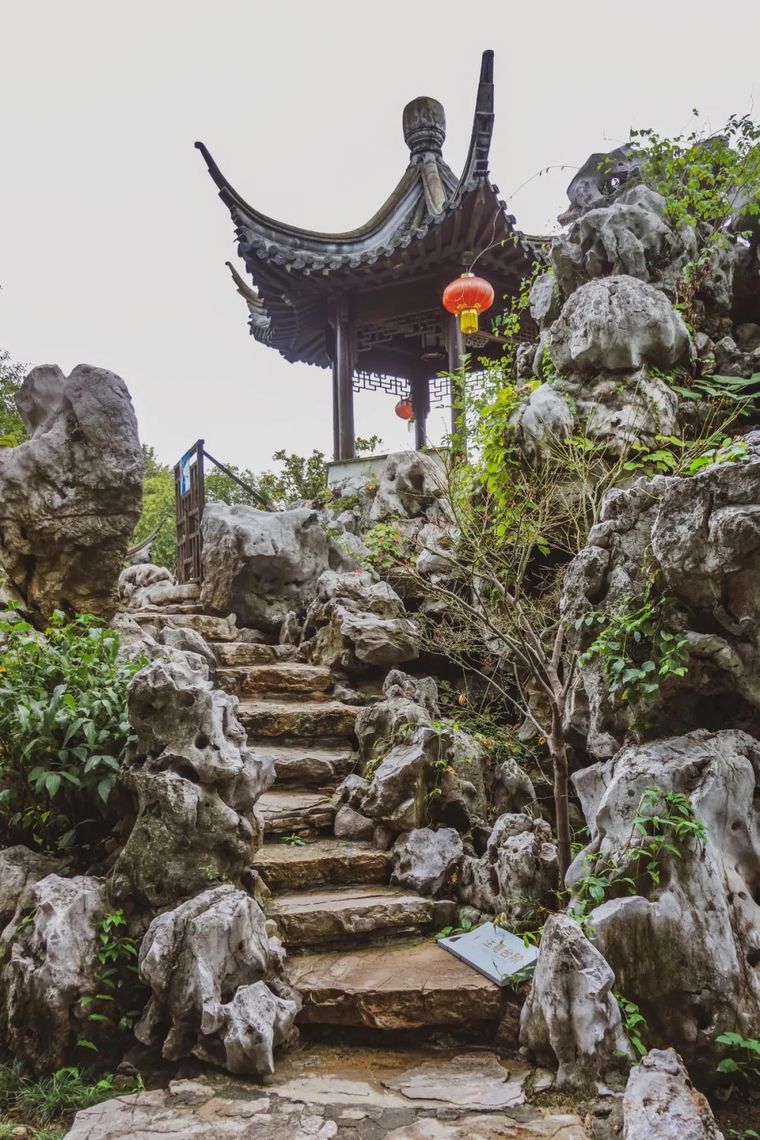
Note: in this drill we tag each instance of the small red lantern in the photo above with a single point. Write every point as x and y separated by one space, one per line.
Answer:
467 298
405 410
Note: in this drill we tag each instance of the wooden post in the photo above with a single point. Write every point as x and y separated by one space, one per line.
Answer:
456 352
344 380
421 404
335 410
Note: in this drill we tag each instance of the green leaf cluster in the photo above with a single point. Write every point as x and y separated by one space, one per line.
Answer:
388 547
50 1104
63 731
634 1023
637 648
12 430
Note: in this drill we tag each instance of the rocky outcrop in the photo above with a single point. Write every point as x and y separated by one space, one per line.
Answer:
195 783
701 533
424 860
50 971
20 868
261 565
411 486
685 949
571 1018
206 963
354 624
517 874
617 324
660 1101
70 496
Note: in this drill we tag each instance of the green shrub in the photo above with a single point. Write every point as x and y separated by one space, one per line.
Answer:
63 731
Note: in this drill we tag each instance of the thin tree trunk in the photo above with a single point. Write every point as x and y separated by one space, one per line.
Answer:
561 799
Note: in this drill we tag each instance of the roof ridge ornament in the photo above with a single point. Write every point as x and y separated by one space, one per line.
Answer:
424 122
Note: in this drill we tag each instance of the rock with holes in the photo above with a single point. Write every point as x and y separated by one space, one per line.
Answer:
407 702
195 783
263 565
701 534
660 1101
571 1018
70 496
411 486
600 179
685 948
207 963
618 324
424 860
142 576
355 623
517 873
49 971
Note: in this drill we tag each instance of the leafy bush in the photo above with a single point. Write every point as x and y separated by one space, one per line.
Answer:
63 731
746 1060
388 547
12 430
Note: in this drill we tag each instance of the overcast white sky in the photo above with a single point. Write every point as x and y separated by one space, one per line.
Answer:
112 238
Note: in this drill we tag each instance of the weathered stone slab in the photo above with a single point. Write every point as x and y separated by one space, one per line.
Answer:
396 987
308 718
210 628
285 677
323 862
241 653
304 812
311 918
308 763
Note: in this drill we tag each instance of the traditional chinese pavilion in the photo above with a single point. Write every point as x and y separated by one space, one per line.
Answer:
367 302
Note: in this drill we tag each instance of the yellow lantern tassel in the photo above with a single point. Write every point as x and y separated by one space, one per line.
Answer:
468 320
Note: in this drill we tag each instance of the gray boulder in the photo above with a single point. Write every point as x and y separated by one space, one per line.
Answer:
195 783
355 623
206 963
20 868
600 179
49 972
424 860
660 1101
618 324
261 565
571 1017
517 873
70 496
685 949
412 485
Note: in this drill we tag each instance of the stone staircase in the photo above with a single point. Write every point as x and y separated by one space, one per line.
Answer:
360 951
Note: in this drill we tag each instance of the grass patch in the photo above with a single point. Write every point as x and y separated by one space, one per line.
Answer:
50 1103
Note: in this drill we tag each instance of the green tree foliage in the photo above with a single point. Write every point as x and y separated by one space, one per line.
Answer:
63 732
12 430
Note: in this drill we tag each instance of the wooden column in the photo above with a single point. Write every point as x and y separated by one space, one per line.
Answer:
335 410
456 352
421 403
343 381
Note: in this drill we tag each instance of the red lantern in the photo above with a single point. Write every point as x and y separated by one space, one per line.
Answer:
405 410
467 298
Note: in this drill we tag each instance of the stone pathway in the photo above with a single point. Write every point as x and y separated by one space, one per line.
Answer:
360 951
322 1092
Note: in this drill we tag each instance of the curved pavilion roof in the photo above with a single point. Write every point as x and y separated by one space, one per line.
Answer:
428 229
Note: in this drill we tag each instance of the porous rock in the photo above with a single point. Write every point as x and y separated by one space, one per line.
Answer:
517 871
660 1101
571 1017
195 783
192 958
20 868
355 623
411 485
70 496
261 565
618 324
423 859
49 965
685 949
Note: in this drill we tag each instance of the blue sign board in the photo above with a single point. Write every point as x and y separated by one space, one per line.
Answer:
184 472
492 951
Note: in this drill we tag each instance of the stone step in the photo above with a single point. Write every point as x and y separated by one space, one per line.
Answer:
208 626
297 718
234 654
321 862
307 763
395 987
339 915
282 677
287 812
